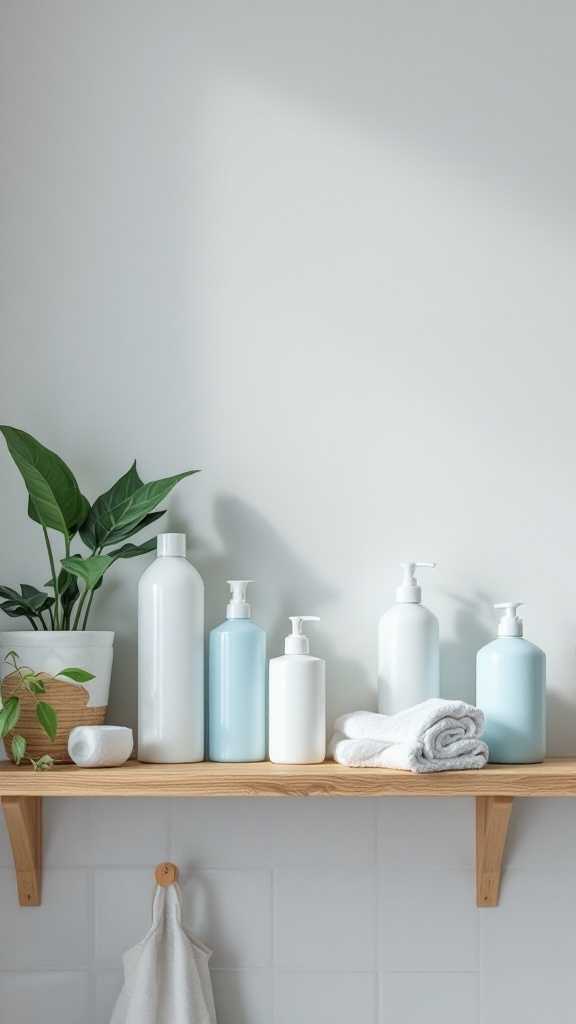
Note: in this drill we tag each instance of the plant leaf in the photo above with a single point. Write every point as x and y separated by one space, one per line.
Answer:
116 495
123 533
78 675
65 580
36 600
56 500
9 715
116 512
68 592
14 610
90 569
132 550
48 719
73 529
18 747
30 603
16 607
43 763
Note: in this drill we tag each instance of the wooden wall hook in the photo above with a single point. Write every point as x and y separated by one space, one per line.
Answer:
166 874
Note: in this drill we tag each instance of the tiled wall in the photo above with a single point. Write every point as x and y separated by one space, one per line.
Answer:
319 911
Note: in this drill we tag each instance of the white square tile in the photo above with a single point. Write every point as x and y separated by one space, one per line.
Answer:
436 997
65 831
55 934
129 831
107 985
331 831
313 997
531 997
419 832
122 912
52 997
428 920
223 832
325 919
231 912
541 833
243 997
534 925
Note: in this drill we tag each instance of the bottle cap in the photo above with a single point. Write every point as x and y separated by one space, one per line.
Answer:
409 592
510 624
297 643
238 607
171 544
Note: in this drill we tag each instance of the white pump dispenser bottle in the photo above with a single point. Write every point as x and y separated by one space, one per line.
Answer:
297 701
408 648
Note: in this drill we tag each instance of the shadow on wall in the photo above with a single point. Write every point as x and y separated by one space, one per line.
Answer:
458 656
561 719
283 585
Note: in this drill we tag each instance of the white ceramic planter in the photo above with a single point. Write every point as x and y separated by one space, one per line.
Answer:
47 653
50 651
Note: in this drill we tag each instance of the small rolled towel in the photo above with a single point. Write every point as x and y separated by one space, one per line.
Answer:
100 746
435 736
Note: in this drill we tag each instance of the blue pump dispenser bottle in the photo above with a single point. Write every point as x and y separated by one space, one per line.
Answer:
511 691
237 684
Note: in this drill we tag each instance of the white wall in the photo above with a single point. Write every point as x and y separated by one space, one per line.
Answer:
324 252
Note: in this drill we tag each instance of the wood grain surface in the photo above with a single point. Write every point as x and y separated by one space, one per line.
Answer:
555 777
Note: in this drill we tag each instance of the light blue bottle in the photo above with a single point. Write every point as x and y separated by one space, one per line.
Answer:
511 691
237 684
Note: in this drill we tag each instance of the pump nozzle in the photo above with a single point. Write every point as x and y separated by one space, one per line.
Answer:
409 591
238 607
510 624
297 643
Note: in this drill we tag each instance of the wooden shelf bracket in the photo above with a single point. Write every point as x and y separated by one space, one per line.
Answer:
23 816
22 792
492 817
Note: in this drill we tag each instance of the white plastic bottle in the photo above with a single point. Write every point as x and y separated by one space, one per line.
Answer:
171 657
297 701
408 648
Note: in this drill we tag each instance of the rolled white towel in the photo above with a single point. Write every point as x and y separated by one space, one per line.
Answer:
435 736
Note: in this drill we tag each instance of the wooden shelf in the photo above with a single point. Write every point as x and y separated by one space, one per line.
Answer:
494 787
555 777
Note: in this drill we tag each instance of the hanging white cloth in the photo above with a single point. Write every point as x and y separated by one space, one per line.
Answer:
166 976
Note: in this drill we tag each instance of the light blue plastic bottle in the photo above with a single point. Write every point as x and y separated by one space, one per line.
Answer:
511 691
237 684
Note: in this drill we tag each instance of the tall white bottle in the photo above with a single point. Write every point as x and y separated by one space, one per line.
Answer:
171 657
297 701
408 648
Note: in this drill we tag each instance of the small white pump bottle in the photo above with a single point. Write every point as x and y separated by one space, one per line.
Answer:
408 648
297 701
171 657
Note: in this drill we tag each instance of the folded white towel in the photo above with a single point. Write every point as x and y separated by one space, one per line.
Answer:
435 736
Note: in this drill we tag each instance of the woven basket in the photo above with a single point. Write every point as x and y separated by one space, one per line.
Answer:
69 703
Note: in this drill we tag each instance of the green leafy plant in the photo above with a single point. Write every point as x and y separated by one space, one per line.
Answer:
56 503
45 713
